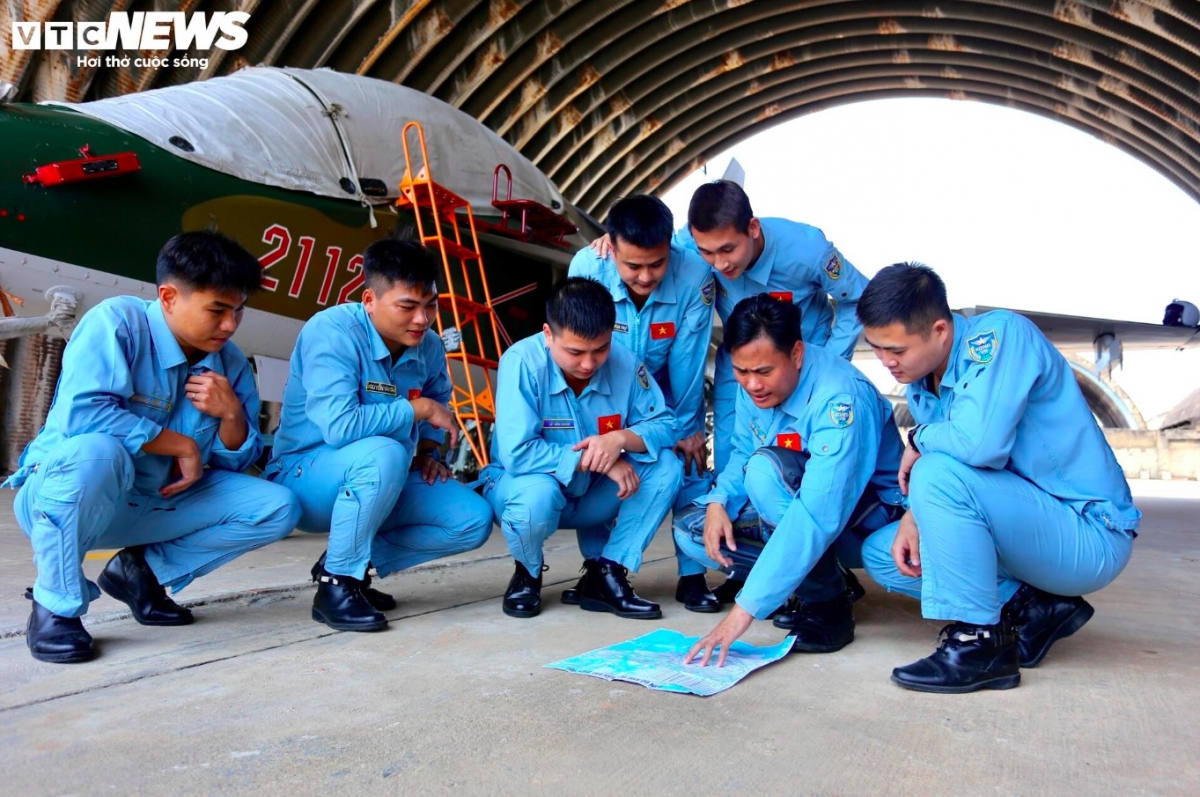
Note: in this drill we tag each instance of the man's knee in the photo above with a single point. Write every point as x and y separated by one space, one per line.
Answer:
475 521
96 459
377 459
530 499
665 474
939 477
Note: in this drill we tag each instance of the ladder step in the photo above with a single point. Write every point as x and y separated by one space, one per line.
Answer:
473 359
467 308
451 247
417 191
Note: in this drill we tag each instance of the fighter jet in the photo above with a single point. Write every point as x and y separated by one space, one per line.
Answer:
302 167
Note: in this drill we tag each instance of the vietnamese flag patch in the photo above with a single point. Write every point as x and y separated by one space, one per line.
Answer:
790 441
661 331
609 423
414 394
783 296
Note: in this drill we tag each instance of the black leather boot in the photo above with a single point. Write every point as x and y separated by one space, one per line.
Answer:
380 601
1039 619
693 592
58 640
822 626
340 604
130 580
523 598
606 588
970 657
727 592
854 587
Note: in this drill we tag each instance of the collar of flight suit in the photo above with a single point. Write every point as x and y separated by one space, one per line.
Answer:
170 353
760 272
957 353
599 382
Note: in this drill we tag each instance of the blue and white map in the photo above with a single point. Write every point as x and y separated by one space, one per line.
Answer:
655 660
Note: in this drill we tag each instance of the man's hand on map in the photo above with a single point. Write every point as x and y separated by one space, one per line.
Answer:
725 634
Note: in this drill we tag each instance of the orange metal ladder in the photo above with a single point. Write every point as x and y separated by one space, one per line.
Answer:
467 303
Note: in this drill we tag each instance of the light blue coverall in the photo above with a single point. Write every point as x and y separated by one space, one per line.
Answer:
346 441
797 263
534 483
86 483
1015 481
843 430
670 334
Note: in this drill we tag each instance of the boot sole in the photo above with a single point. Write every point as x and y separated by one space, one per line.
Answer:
1003 682
320 618
524 614
1077 620
592 605
115 592
72 657
809 647
699 608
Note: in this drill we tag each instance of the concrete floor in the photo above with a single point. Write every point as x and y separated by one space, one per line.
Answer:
453 696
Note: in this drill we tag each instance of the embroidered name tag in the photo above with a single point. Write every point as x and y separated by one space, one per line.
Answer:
558 423
381 387
153 402
619 327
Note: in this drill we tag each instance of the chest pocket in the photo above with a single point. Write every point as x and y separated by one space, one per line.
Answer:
824 445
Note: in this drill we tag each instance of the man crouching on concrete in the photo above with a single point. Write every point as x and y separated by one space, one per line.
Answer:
580 425
151 392
364 412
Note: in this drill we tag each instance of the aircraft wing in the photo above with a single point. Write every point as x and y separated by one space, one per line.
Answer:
1069 332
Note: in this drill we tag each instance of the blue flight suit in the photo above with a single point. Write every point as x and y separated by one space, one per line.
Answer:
670 334
800 264
346 441
86 483
1015 481
844 432
534 483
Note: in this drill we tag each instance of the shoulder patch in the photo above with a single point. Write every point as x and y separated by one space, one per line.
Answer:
708 291
841 413
834 267
983 347
381 387
643 377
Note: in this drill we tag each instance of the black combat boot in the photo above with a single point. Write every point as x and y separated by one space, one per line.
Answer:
970 657
380 601
128 578
523 598
727 592
570 595
58 640
1039 619
606 588
693 592
341 605
822 626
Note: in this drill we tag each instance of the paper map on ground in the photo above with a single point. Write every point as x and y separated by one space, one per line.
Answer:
655 660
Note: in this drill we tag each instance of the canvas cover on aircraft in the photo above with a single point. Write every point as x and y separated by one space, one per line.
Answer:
285 127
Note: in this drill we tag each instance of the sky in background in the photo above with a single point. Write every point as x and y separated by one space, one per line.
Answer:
1011 209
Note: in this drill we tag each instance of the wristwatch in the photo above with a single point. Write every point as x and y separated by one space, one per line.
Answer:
912 438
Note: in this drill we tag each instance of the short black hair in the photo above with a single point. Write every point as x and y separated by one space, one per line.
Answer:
642 220
763 316
720 204
582 306
207 259
392 260
909 293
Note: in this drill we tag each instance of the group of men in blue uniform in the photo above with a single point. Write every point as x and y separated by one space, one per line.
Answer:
1005 507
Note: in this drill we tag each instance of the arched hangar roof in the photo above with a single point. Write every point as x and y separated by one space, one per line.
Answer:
611 97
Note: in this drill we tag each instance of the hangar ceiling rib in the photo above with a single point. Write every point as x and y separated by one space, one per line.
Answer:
611 97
